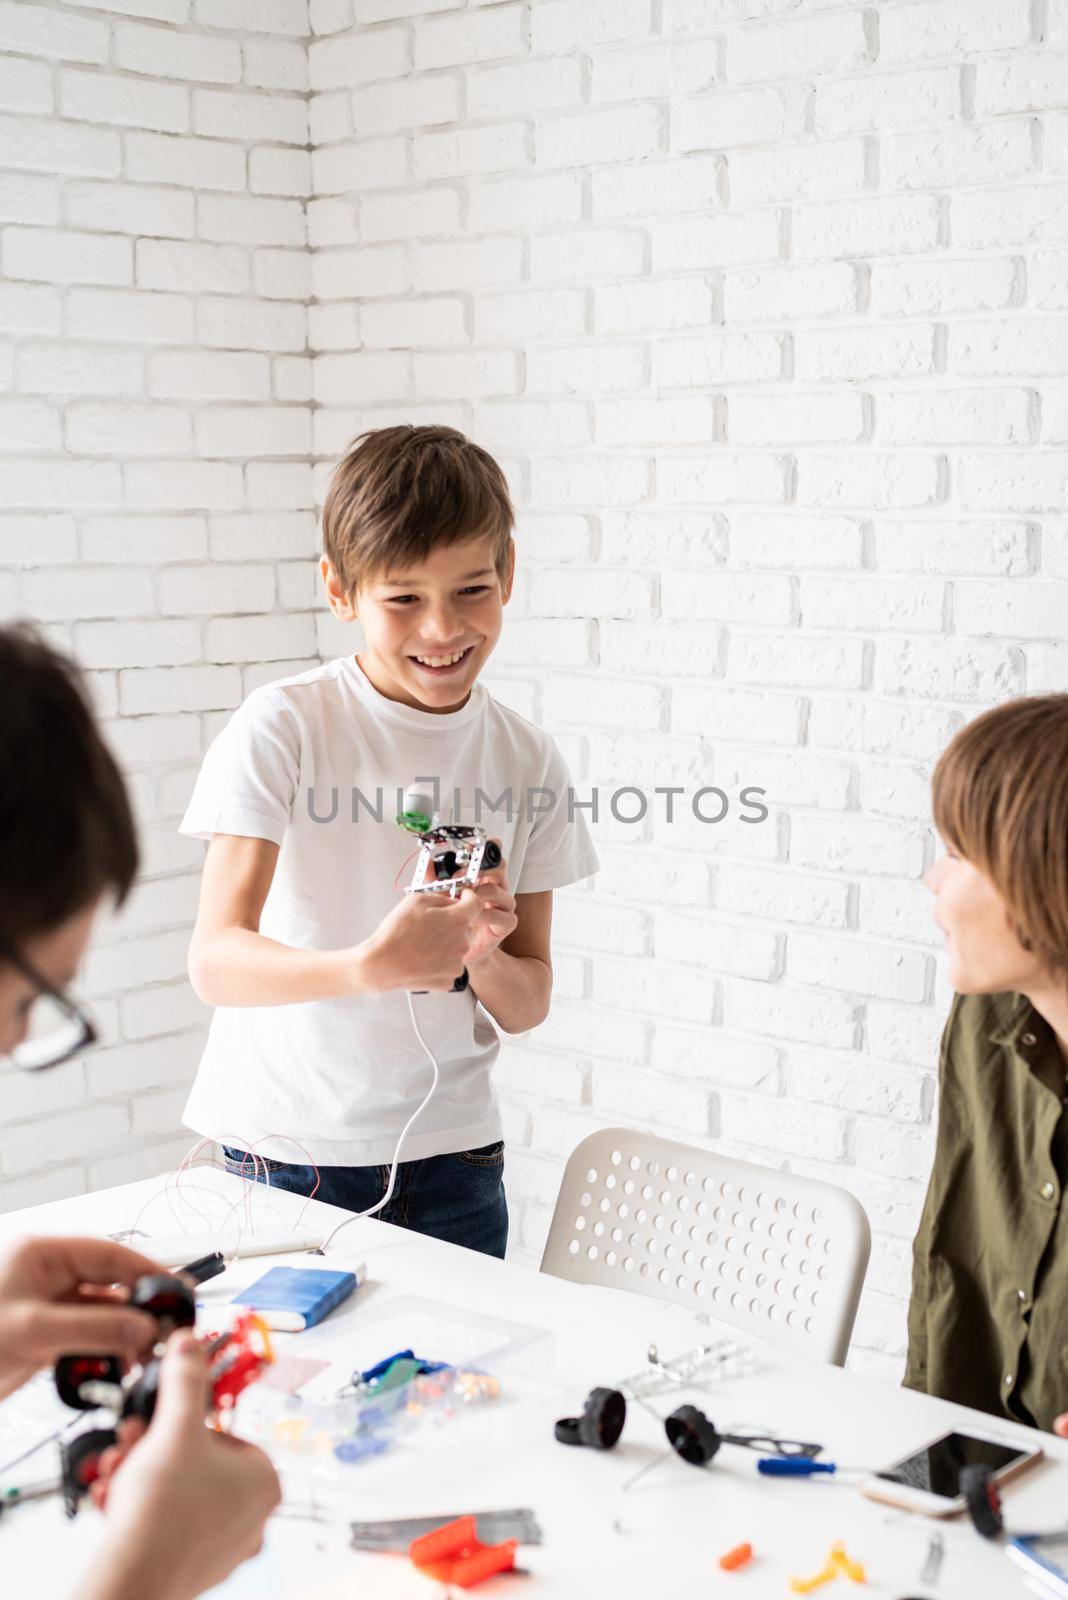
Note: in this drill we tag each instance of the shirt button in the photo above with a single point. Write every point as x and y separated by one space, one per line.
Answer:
1022 1293
1008 1380
1048 1191
1027 1038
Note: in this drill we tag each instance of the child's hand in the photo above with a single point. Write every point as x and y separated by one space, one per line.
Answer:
423 943
497 916
57 1295
184 1505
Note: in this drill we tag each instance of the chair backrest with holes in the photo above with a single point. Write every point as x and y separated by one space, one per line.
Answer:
775 1255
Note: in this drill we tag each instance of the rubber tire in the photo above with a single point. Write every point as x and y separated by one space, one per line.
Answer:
602 1419
692 1436
981 1497
74 1454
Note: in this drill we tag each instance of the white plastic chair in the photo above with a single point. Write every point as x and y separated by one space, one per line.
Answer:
776 1256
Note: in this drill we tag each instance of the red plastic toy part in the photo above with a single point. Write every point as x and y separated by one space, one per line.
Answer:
238 1359
453 1555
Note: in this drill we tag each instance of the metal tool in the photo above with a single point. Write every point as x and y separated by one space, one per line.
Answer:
696 1440
936 1553
17 1493
492 1527
31 1450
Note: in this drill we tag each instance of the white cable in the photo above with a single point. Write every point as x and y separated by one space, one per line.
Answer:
420 1108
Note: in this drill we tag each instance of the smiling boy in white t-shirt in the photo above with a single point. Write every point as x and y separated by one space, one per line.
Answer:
303 941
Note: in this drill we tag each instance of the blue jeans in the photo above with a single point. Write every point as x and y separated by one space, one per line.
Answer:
458 1197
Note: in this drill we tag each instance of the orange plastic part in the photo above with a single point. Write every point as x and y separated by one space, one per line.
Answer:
453 1554
737 1557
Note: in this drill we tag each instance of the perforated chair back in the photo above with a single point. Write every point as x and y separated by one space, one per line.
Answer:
776 1256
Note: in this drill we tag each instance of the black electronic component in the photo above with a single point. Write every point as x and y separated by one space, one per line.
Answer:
163 1296
167 1298
71 1372
445 865
447 848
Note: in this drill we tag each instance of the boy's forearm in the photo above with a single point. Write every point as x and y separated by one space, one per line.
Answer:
238 967
515 990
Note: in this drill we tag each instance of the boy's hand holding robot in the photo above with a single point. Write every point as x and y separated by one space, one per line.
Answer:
423 942
456 909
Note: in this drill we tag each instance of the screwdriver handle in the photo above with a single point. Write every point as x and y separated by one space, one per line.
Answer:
205 1268
793 1467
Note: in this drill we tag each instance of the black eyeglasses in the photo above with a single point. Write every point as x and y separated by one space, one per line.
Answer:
58 1027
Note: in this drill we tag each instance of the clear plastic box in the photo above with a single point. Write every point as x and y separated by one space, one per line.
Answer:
463 1338
321 1430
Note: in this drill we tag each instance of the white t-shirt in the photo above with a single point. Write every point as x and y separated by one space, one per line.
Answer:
295 763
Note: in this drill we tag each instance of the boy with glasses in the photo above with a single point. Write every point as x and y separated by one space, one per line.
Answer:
184 1505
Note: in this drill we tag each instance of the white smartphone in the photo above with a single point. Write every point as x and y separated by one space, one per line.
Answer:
928 1479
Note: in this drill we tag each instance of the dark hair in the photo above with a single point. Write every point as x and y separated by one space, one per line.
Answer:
401 492
1000 796
66 829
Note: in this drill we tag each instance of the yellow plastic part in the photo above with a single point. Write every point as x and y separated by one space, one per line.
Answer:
851 1569
839 1564
806 1585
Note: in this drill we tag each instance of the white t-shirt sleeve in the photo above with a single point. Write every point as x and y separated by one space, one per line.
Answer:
250 777
559 850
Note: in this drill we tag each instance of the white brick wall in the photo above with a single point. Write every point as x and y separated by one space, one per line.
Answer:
762 306
153 270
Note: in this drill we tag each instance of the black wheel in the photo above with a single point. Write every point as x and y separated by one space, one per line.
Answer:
692 1436
983 1500
491 855
602 1419
600 1424
79 1464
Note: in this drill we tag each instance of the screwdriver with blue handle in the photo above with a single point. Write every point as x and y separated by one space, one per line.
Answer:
800 1467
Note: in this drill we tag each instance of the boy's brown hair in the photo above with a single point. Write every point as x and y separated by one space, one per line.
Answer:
1001 801
401 492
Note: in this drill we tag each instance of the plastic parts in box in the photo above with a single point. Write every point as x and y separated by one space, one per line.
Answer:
334 1416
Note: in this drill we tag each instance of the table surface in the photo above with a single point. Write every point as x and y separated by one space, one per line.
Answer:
669 1529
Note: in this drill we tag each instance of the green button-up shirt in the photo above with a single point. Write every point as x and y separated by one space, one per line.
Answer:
987 1319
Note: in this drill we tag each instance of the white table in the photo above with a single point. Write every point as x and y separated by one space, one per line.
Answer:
664 1537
